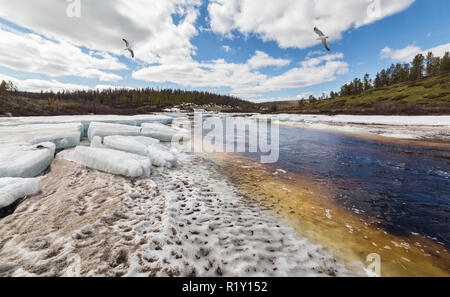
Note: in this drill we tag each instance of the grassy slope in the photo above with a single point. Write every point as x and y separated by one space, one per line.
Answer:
428 96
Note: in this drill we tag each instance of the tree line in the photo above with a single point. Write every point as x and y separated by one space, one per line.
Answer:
420 67
159 98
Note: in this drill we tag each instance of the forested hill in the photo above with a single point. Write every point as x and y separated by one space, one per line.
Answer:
416 88
113 101
427 96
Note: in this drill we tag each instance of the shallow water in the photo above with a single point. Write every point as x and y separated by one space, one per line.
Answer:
404 186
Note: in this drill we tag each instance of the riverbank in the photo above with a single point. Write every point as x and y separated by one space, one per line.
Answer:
187 221
307 204
423 128
211 215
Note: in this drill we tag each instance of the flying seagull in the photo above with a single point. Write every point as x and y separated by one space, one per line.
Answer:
322 37
128 48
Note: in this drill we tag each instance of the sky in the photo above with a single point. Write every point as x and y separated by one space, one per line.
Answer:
257 50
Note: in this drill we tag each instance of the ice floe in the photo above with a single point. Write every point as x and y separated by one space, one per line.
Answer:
62 135
12 189
164 133
132 144
149 147
107 129
161 156
85 120
24 159
111 161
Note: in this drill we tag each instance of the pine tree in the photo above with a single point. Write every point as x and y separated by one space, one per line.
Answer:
367 82
429 63
445 63
417 67
3 87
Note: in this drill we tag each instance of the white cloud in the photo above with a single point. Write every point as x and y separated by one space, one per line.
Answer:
261 59
35 85
148 25
290 22
33 53
163 46
243 80
407 54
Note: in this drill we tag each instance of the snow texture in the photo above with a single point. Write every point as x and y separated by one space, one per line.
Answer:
188 221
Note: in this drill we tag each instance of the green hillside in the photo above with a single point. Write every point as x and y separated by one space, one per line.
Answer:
426 96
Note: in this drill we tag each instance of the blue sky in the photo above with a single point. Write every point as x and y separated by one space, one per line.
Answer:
238 47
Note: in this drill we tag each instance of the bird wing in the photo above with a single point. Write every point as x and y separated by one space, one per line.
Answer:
131 52
324 41
126 42
320 33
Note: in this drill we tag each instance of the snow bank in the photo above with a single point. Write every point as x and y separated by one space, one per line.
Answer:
62 135
106 129
12 189
25 160
163 133
367 120
111 161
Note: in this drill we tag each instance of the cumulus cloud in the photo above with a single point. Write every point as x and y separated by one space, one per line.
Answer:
261 59
407 54
242 78
162 38
33 53
42 85
103 24
290 22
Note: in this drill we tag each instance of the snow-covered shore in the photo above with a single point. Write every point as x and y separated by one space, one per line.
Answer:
435 128
187 221
176 218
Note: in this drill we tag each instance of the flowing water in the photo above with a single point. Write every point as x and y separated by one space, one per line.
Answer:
375 195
